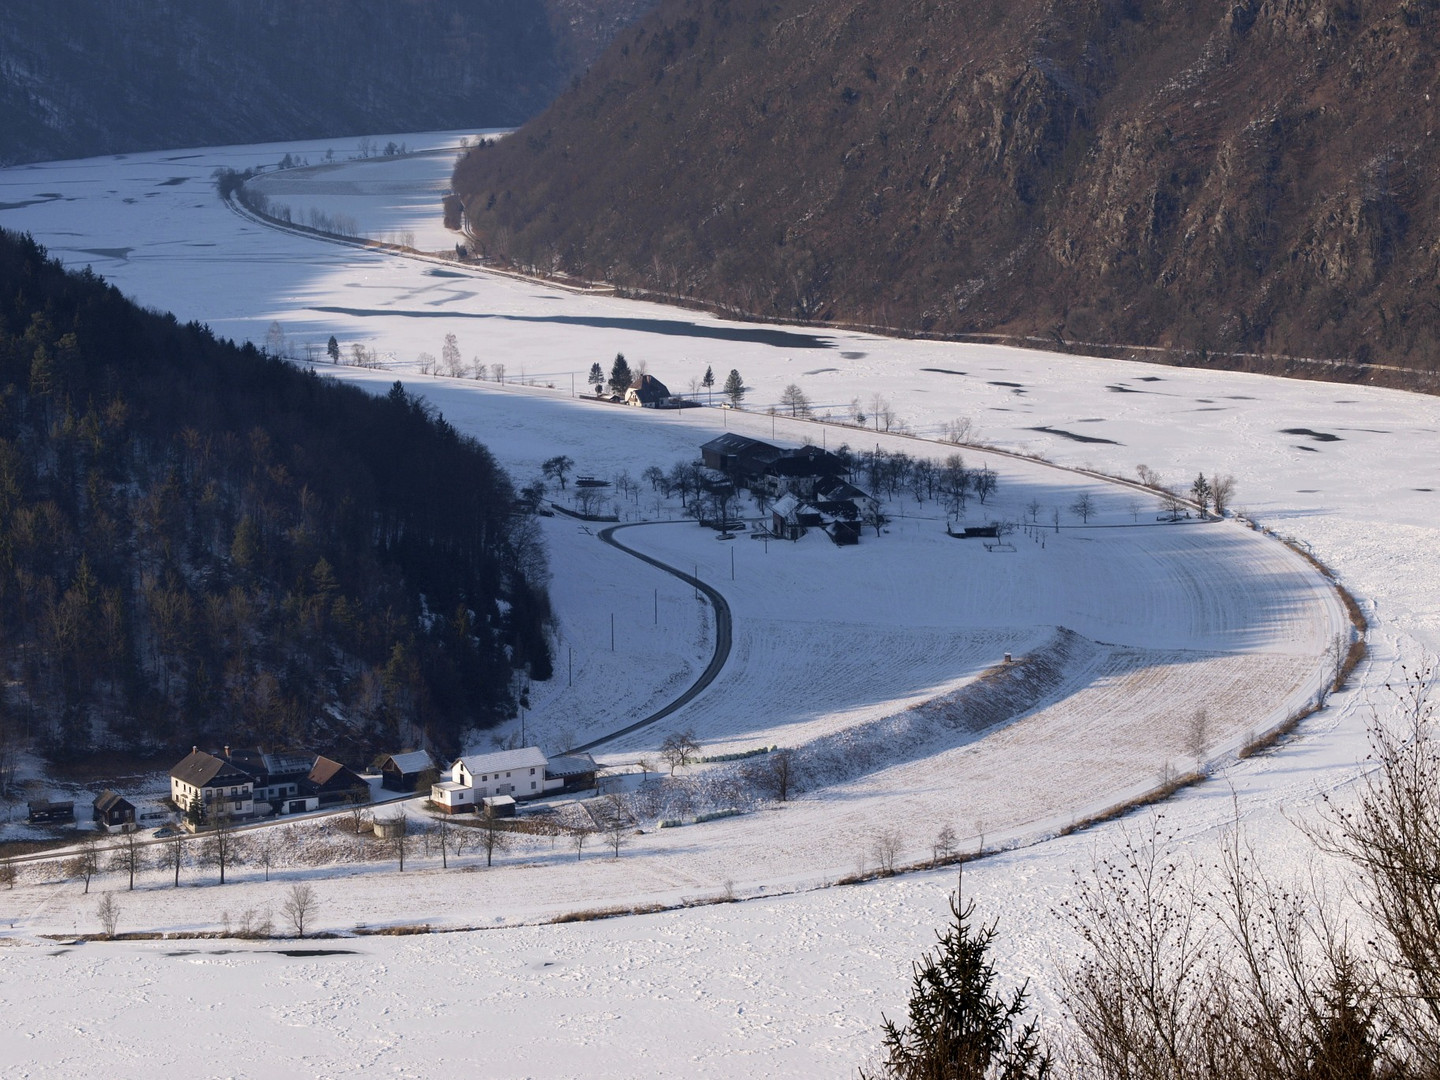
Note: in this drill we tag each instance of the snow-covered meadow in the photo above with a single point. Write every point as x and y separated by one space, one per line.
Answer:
831 644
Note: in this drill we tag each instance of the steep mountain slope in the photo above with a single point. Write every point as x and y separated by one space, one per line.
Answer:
1252 176
82 77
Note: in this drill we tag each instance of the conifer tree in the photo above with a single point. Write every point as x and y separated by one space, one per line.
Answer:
734 387
961 1027
620 376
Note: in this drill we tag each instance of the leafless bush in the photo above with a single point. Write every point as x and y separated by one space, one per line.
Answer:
251 924
108 911
885 847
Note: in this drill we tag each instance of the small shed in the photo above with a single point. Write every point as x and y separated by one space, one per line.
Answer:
45 812
406 771
498 806
576 772
113 810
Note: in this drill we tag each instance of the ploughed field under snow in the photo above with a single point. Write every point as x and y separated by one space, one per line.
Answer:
876 663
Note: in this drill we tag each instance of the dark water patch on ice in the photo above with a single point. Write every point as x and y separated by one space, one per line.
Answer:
1151 378
854 355
1422 489
40 200
445 273
780 339
1118 389
999 382
1369 430
941 370
1211 408
1091 420
316 952
821 370
184 157
1205 401
1312 449
1347 401
1307 491
1240 397
121 253
174 181
1318 436
1076 437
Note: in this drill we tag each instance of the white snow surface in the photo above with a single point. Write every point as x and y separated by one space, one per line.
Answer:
848 653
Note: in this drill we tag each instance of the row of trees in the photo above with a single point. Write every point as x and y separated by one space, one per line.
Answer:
198 541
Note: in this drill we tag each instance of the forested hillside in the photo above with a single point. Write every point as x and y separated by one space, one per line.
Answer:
200 543
1259 176
84 77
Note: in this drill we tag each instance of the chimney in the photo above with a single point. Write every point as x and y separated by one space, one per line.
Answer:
194 749
227 753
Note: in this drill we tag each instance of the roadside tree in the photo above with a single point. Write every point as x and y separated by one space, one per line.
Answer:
734 388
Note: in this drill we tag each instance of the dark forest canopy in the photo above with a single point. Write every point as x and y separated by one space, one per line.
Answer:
1225 178
200 542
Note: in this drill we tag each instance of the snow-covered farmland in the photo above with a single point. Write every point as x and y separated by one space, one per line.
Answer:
833 648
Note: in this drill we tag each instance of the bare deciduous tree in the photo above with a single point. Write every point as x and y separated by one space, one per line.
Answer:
299 906
946 844
678 749
885 847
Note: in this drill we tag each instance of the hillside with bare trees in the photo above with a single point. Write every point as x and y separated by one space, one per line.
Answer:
1254 177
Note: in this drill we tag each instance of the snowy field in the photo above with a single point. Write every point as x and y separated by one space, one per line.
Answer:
834 648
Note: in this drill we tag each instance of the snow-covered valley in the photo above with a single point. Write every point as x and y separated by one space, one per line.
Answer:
838 650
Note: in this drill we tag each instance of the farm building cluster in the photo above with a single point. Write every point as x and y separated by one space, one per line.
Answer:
806 486
491 783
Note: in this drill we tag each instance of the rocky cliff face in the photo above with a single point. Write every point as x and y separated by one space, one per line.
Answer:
1252 176
82 77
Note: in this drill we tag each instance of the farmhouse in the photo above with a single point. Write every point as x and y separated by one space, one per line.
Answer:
520 774
204 785
648 392
279 779
113 810
405 771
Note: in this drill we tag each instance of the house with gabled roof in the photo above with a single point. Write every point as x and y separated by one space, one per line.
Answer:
114 811
204 785
647 391
522 774
279 778
330 782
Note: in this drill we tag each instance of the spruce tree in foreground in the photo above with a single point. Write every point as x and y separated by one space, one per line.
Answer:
961 1027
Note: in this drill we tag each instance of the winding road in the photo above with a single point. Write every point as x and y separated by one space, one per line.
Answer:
723 625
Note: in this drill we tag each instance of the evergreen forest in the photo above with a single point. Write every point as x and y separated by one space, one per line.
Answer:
201 543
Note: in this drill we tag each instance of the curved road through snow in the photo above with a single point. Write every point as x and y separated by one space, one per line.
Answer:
722 632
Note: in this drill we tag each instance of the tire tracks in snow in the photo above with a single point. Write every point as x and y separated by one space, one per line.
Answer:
723 635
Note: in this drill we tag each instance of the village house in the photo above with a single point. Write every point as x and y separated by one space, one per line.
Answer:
278 779
647 392
203 786
114 811
521 774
